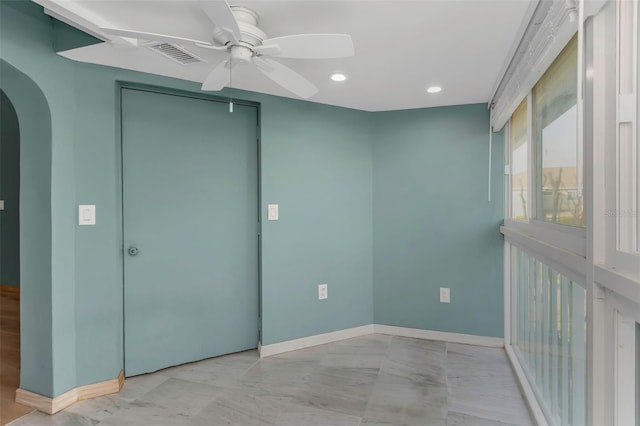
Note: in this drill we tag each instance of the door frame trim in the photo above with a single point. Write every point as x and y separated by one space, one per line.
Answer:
122 85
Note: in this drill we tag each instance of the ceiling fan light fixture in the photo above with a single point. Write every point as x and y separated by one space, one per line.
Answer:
338 77
434 89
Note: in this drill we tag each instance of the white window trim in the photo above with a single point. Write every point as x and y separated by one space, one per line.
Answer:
607 116
532 182
568 238
616 348
617 283
541 43
565 237
550 28
541 413
565 262
625 365
626 148
544 411
616 274
611 276
508 187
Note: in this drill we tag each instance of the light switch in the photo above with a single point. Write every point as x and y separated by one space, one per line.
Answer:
272 213
445 295
86 215
1 204
323 291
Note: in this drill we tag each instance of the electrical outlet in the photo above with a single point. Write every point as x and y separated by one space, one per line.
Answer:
322 292
445 296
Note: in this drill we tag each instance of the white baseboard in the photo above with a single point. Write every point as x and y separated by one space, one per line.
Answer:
527 391
467 339
319 339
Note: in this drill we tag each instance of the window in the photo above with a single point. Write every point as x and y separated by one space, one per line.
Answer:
550 336
559 183
545 154
559 315
519 139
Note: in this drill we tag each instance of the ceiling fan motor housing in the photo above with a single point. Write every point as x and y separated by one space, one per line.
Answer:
250 34
240 54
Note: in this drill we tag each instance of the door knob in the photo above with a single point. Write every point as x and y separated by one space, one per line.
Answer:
133 251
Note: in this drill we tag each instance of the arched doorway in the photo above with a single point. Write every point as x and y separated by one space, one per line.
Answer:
9 194
9 261
26 126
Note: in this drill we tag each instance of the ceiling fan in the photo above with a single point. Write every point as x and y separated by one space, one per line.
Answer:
235 31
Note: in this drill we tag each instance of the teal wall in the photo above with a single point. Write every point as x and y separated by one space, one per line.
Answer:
26 45
433 226
10 193
47 194
35 227
308 246
319 163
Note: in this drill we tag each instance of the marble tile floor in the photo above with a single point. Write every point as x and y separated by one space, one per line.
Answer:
373 380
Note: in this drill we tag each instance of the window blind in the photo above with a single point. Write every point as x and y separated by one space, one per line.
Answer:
553 24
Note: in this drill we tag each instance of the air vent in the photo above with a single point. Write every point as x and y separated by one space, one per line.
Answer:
175 53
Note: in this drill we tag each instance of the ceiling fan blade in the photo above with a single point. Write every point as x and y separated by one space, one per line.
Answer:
311 46
217 78
221 15
142 35
286 77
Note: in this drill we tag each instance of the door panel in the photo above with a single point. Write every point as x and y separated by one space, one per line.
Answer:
190 209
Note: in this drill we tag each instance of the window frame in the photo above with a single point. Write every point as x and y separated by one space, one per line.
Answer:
538 142
613 258
616 273
508 157
627 113
565 237
612 276
625 317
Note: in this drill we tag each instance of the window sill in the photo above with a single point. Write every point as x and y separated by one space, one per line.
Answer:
568 238
568 263
618 283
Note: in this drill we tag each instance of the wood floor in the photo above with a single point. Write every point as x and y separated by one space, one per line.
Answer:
10 355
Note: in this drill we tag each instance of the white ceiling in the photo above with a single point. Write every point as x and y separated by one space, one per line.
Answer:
401 47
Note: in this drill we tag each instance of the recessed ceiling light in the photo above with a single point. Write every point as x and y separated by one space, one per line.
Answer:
434 89
338 77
